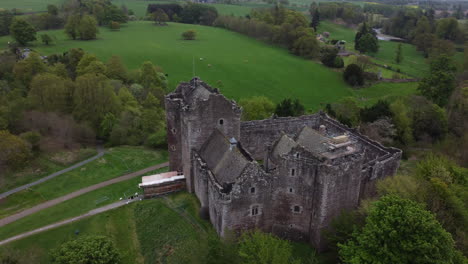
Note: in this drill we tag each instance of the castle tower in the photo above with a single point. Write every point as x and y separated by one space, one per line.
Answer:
193 111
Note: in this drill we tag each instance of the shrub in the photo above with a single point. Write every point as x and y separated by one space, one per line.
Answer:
189 34
114 25
14 151
354 75
329 57
88 249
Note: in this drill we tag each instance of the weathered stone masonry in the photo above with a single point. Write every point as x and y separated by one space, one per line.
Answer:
289 176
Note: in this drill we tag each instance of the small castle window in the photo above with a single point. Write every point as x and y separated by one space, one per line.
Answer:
252 190
291 190
173 131
293 172
297 209
221 121
255 210
173 148
297 155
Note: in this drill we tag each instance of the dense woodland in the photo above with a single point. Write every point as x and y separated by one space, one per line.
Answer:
73 99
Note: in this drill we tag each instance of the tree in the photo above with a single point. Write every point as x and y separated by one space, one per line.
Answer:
306 46
22 31
84 62
366 39
46 39
116 69
94 98
329 57
88 249
15 152
398 230
256 108
288 107
440 82
315 20
52 10
6 18
398 54
49 93
402 120
160 17
447 28
257 247
72 27
189 34
149 76
354 75
88 28
26 69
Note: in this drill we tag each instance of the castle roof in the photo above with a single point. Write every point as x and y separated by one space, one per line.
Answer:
313 141
194 90
318 144
225 158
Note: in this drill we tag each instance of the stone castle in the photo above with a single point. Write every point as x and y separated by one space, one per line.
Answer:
288 176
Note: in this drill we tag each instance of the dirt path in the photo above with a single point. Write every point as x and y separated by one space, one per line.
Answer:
100 150
42 206
67 221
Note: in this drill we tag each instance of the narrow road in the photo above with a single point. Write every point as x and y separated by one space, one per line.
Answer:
42 206
100 150
67 221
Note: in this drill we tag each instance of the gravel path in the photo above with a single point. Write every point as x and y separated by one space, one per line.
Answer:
67 221
42 206
100 150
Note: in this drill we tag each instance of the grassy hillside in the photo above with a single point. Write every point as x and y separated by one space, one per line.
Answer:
116 162
74 207
138 6
152 231
238 65
413 60
43 165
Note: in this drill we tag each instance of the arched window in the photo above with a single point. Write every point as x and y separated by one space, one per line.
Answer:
221 121
252 190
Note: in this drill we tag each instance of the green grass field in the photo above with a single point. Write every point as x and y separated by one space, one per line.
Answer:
142 231
413 63
74 207
240 66
43 165
138 6
116 162
150 232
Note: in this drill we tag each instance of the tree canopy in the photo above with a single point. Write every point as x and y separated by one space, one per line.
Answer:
398 230
22 31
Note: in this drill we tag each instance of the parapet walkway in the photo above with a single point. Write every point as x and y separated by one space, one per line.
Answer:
100 153
42 206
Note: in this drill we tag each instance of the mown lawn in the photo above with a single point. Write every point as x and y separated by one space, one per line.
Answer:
43 165
74 207
116 162
240 66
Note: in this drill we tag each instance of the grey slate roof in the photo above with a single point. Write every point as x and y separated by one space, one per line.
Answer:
313 141
284 146
224 161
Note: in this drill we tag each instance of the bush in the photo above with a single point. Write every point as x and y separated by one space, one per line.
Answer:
114 25
189 34
33 138
329 57
354 75
88 249
14 151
